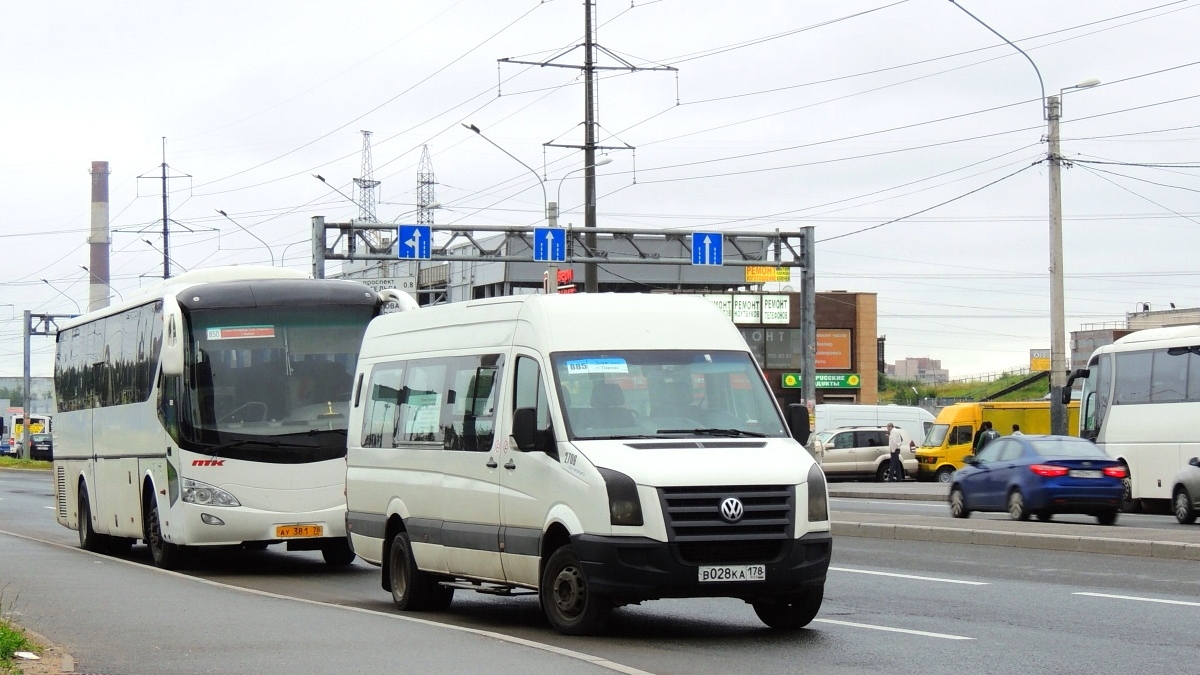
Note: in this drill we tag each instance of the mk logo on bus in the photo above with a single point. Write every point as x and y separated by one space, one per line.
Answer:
208 462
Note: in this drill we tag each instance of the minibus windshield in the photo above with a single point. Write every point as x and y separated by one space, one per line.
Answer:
664 394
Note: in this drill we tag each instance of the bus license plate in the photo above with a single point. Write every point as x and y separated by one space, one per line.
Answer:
1084 473
733 573
298 531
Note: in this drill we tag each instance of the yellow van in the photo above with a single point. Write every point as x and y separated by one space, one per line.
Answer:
953 432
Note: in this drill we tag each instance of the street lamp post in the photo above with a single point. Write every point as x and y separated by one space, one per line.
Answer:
551 208
552 211
269 251
73 301
1058 353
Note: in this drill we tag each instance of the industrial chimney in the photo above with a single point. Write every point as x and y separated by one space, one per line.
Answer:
98 269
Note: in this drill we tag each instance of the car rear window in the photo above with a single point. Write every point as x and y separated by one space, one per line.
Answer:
1066 447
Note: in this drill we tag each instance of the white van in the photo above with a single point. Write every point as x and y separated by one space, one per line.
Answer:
598 449
913 421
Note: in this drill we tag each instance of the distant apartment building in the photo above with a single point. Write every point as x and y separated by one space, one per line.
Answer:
1091 336
925 370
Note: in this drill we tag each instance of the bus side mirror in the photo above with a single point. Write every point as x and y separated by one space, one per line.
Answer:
172 339
797 418
1081 373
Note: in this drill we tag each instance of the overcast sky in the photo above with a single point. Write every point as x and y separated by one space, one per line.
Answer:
842 114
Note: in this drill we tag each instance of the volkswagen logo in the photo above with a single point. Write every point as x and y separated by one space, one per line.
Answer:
732 510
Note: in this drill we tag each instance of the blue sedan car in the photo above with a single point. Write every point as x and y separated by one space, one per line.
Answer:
1040 476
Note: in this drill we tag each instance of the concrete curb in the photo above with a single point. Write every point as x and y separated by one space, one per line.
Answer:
1047 542
908 496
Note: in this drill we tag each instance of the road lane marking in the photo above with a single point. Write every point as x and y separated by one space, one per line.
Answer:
531 644
1134 597
910 576
923 633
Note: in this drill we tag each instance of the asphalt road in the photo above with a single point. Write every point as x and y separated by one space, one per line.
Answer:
942 510
891 606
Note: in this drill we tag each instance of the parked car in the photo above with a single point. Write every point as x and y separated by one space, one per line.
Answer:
1185 494
1041 476
41 447
858 452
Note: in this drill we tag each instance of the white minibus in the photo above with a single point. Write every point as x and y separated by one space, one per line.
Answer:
599 450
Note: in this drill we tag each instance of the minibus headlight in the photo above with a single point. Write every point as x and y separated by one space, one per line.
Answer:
195 492
624 507
818 502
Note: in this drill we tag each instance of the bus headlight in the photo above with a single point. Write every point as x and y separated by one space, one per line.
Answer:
624 507
195 492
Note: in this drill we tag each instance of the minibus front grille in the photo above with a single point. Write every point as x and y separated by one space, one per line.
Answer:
693 514
730 552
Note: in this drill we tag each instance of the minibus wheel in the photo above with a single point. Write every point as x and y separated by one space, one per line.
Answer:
793 614
569 605
412 589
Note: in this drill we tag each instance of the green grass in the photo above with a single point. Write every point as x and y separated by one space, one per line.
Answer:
901 391
12 640
14 463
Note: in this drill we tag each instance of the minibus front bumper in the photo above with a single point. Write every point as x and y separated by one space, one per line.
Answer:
632 569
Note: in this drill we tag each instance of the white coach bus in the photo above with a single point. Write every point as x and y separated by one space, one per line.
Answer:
210 411
1141 404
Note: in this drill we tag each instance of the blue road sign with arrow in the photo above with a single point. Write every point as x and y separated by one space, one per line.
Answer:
549 244
415 242
708 248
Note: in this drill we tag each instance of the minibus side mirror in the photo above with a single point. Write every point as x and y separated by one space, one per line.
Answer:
797 418
1195 461
525 428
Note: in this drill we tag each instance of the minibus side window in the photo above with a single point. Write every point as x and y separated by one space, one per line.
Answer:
382 405
530 392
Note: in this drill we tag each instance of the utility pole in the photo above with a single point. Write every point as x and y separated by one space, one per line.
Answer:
591 118
1058 356
166 223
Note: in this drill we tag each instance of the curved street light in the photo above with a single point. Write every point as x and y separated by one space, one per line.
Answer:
600 161
272 253
56 290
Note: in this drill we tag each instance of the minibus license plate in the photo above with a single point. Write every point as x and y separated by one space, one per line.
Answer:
733 573
295 531
1084 473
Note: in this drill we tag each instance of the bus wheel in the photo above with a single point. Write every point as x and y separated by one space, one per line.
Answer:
88 539
1128 503
166 555
338 553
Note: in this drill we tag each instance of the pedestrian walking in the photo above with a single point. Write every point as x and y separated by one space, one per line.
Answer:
895 470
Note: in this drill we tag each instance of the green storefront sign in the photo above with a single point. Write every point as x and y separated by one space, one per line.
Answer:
824 381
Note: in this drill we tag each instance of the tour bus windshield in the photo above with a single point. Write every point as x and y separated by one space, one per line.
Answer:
270 372
664 394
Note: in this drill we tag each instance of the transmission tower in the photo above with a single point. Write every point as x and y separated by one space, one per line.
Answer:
366 184
426 199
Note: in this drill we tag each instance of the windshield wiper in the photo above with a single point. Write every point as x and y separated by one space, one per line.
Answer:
216 449
613 437
714 432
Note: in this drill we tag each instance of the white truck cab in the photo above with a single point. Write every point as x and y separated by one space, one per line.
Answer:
599 450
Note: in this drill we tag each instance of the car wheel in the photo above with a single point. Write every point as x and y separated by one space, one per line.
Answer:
1044 516
566 599
881 473
1016 506
1184 512
88 539
166 555
794 614
1107 517
338 553
944 474
958 503
412 589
